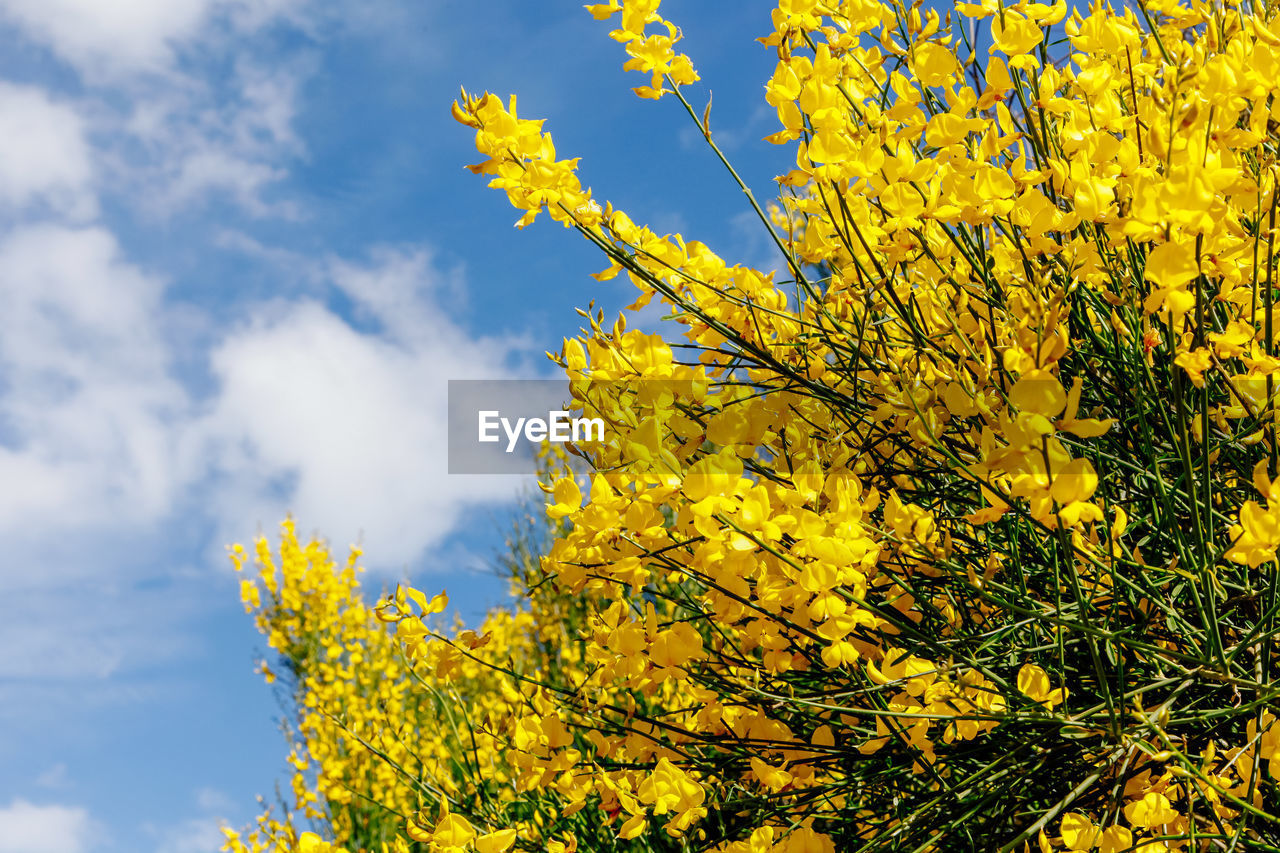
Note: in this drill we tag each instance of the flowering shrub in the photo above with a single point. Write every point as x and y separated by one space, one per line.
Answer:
960 532
371 734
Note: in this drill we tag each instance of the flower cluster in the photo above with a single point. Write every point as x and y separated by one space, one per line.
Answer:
652 53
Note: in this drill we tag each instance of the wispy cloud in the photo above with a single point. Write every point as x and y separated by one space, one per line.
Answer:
97 37
188 139
132 36
54 777
173 93
87 397
202 834
45 160
197 835
29 828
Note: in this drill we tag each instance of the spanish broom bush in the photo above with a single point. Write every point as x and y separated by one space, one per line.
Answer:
958 531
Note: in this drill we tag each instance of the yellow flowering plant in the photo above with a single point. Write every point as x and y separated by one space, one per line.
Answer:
389 756
957 533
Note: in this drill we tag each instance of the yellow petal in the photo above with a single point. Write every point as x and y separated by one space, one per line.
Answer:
1078 831
1039 392
633 827
1260 480
309 842
1077 481
496 842
1171 265
1033 682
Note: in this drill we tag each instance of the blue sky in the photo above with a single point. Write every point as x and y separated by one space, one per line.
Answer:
239 260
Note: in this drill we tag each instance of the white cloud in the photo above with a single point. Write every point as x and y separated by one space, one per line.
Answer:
88 413
122 36
87 396
347 429
182 139
172 126
214 801
28 828
92 34
198 835
402 290
54 777
268 97
117 465
44 156
219 170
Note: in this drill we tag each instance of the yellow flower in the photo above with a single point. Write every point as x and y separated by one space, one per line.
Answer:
934 64
1152 810
669 789
567 496
1033 682
773 778
1013 33
452 832
1078 832
309 842
1115 839
1195 362
1255 538
1039 392
498 841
